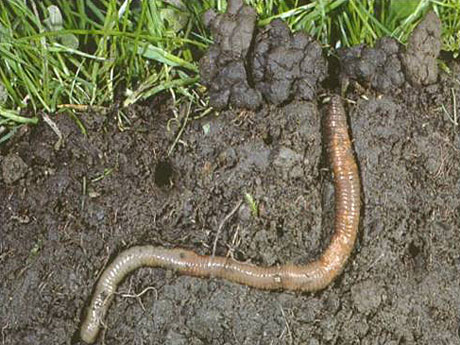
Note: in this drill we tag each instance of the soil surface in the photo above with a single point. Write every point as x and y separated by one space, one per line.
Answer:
66 210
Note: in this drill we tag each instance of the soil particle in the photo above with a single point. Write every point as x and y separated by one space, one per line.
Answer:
13 168
288 161
253 156
366 296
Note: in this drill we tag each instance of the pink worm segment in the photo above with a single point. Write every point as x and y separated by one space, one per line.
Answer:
311 277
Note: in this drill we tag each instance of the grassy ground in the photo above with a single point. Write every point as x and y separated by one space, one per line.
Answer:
59 55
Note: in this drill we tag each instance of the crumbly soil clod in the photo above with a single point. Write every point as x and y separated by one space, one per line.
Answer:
287 66
223 68
387 67
423 49
13 168
244 65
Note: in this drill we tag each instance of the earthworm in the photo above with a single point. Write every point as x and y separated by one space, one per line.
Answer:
311 277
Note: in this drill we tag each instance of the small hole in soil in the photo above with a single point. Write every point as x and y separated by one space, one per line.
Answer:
268 139
280 229
414 250
163 174
333 79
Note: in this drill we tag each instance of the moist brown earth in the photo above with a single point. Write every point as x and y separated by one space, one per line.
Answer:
65 213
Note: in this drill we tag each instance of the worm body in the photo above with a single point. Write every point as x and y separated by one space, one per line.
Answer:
311 277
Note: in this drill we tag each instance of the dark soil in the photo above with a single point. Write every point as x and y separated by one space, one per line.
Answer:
65 213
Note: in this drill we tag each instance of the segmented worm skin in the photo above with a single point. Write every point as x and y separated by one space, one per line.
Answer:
311 277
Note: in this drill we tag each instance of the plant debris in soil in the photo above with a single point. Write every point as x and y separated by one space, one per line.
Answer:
65 213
